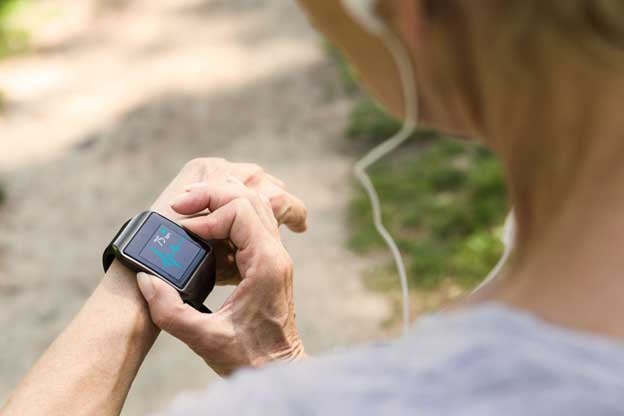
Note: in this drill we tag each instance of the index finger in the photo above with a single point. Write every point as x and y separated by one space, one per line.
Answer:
287 209
237 221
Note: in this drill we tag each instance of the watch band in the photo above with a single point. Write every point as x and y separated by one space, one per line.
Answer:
109 253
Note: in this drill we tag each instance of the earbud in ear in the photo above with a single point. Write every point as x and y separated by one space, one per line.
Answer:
363 11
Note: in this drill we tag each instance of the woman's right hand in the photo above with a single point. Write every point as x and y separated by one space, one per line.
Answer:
256 324
287 209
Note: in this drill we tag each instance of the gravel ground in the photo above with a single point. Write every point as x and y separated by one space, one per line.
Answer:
99 122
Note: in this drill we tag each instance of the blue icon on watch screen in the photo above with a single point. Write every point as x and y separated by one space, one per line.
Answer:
171 252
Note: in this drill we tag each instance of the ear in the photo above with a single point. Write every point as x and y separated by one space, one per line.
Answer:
366 51
405 21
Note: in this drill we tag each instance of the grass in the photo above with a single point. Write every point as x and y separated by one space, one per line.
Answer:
444 201
369 122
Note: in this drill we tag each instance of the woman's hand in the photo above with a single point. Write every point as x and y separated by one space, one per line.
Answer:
256 324
287 209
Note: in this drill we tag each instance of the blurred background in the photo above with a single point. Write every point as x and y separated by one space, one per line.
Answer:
103 101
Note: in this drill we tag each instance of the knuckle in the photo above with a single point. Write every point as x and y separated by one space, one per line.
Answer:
282 264
279 200
200 164
255 173
193 164
255 169
217 161
243 205
281 205
193 168
254 197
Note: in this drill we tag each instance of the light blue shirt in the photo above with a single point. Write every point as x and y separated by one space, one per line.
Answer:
488 360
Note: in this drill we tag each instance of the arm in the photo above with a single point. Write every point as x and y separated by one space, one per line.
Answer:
256 324
89 368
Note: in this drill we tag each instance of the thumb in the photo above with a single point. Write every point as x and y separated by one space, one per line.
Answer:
167 309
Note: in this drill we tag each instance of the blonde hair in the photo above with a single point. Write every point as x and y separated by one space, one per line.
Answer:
587 23
584 25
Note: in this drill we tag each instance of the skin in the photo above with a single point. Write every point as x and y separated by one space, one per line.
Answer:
557 131
254 326
556 127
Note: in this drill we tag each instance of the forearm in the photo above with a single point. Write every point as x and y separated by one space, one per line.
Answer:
90 367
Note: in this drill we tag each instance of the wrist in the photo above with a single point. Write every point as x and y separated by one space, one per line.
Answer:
89 368
119 297
293 350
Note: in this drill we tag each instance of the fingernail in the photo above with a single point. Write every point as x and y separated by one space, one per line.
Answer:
146 286
179 199
192 186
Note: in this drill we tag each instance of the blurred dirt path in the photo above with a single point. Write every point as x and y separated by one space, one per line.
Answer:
100 120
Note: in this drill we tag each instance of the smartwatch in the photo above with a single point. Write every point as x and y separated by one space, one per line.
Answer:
153 244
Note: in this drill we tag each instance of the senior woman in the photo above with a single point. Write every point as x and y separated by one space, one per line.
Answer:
540 83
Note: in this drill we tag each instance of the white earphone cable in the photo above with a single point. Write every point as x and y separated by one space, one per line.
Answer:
409 125
509 230
406 72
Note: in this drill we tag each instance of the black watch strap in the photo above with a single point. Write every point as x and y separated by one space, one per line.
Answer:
202 308
109 253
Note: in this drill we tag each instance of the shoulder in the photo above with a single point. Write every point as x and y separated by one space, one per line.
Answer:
476 362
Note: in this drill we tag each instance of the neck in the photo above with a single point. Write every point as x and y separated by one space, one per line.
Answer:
567 186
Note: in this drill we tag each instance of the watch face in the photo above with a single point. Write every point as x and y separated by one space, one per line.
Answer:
167 249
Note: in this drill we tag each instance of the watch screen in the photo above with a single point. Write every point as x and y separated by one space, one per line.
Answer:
166 248
170 251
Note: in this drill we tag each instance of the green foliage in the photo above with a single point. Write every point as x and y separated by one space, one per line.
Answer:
443 199
444 204
6 6
12 40
370 122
